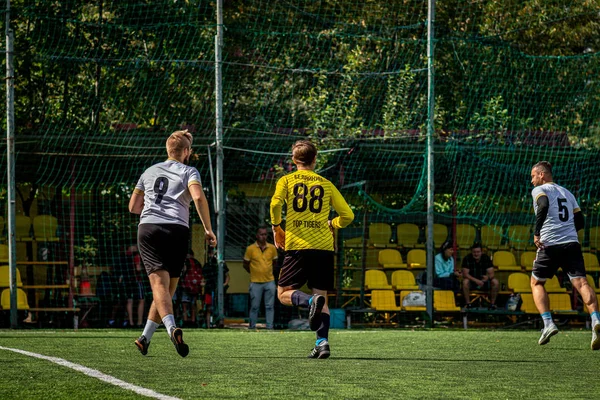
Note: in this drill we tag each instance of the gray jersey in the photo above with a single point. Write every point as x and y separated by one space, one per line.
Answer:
558 227
166 194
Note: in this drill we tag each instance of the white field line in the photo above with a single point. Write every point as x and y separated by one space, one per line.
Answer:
95 374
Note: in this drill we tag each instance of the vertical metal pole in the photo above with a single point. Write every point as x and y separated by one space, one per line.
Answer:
430 170
10 168
220 211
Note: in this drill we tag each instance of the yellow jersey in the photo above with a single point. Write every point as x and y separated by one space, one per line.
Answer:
309 198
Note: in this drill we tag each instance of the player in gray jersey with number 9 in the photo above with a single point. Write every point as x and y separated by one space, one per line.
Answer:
558 218
162 198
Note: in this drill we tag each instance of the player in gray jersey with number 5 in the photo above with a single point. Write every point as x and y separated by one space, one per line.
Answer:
162 198
558 218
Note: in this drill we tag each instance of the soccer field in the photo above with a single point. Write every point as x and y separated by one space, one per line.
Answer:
400 364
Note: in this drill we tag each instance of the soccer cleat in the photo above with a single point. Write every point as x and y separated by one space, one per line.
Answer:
596 337
177 339
547 333
142 344
314 312
320 351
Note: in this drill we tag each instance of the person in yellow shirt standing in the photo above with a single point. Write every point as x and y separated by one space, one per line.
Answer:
258 261
308 239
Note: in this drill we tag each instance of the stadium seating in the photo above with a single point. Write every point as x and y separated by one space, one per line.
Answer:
520 237
404 280
380 234
5 277
443 300
416 259
505 261
23 228
560 302
45 228
595 237
591 262
410 308
440 234
22 303
384 300
528 305
553 286
465 236
519 282
3 253
354 242
391 259
592 283
375 279
527 258
408 235
492 236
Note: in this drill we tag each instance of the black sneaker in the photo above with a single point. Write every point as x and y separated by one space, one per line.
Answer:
320 351
142 345
314 312
177 339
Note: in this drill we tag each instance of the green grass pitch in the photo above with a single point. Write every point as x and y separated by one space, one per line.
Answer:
394 364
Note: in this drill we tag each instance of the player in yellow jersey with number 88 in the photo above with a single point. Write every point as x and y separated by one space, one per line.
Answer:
307 239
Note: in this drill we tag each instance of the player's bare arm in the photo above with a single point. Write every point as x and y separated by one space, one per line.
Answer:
202 208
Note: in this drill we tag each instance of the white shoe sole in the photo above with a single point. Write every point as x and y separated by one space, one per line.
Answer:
596 343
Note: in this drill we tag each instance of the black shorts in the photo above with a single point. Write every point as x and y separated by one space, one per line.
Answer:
163 247
567 256
314 267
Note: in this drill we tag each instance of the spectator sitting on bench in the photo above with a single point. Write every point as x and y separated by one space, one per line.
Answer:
478 274
445 274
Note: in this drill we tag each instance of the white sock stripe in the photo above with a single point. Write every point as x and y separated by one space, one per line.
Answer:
95 374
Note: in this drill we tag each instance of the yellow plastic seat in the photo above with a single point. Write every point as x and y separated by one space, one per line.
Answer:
552 285
520 237
560 302
408 235
410 308
22 303
528 305
505 261
375 279
465 236
404 280
384 300
492 236
416 259
45 228
592 283
390 259
591 262
356 242
440 234
595 237
519 282
527 259
380 234
23 228
443 300
5 277
3 253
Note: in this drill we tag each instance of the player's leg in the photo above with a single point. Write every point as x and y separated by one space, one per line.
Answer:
575 269
543 269
269 295
152 324
320 279
291 278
